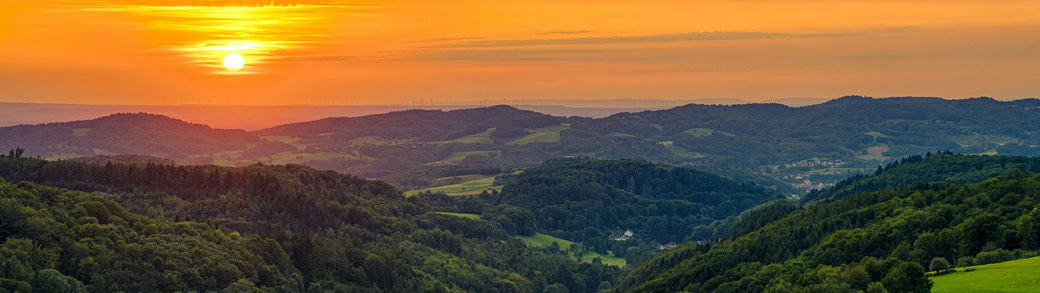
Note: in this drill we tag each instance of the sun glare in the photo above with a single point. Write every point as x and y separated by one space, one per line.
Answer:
234 61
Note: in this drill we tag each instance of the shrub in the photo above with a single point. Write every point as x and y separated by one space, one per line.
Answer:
994 256
965 261
939 264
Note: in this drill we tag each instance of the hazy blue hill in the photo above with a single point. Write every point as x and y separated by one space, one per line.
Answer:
807 147
139 133
420 125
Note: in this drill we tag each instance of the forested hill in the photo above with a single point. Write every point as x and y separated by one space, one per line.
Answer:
584 199
623 208
162 228
867 240
939 168
420 125
117 134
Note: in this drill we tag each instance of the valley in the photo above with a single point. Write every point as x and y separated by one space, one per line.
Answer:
695 199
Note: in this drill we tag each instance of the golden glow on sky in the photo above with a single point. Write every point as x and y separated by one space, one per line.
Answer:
379 52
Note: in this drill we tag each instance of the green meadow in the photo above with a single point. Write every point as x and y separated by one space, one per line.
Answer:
543 240
1011 276
545 134
465 188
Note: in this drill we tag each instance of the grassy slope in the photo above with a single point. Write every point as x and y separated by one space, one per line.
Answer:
698 132
547 134
1012 276
469 216
465 188
483 137
459 156
543 240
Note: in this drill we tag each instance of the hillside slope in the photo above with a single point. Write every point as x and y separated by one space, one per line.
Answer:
164 228
887 237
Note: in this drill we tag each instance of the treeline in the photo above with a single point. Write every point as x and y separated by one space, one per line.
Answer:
942 167
864 241
256 228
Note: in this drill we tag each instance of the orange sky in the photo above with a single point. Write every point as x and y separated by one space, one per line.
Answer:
380 52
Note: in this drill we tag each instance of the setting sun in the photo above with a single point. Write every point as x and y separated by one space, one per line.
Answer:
234 61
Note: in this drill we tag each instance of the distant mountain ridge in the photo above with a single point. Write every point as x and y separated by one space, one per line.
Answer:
807 147
125 133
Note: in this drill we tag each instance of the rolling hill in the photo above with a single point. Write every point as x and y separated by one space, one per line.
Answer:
120 134
808 147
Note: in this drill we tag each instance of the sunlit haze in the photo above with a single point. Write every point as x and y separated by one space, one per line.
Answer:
148 52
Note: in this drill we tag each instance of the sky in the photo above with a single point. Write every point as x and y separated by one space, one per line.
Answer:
162 52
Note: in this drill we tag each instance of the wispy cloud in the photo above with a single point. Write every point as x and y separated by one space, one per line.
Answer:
575 32
656 38
209 30
226 3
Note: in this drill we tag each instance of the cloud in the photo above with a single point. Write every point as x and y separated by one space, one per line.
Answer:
656 38
569 32
205 3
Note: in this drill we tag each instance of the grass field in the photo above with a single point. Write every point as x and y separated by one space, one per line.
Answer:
543 240
289 140
678 151
875 153
546 134
468 216
483 137
459 156
1012 276
876 134
80 132
698 132
465 188
299 158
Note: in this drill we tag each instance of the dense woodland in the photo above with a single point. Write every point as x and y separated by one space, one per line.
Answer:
84 226
867 240
588 200
163 228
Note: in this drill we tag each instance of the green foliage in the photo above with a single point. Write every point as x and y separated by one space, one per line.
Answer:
907 277
256 228
909 226
939 264
583 199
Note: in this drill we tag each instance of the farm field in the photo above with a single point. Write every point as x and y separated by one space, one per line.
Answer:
543 240
465 188
464 215
698 132
483 137
459 156
1011 276
546 134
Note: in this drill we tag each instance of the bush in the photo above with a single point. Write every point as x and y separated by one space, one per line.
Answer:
965 261
995 256
939 264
